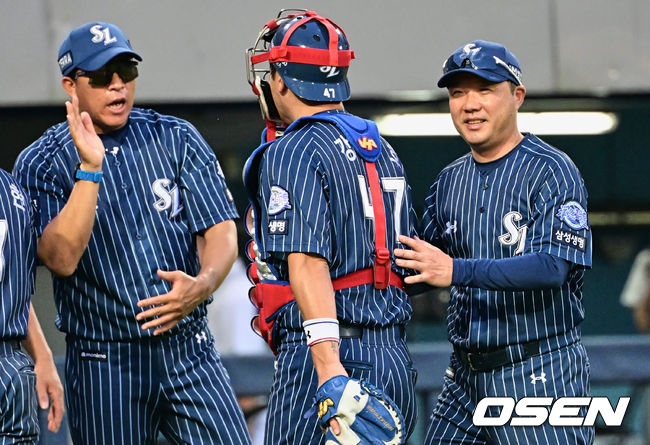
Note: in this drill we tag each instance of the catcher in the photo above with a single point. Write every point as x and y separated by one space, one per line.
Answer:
329 198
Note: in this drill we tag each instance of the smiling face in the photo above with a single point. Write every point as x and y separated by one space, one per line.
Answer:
108 106
485 114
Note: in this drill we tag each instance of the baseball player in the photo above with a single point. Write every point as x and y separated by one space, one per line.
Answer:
329 198
130 201
20 374
509 225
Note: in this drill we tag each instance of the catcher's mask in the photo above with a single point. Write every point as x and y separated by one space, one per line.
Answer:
310 53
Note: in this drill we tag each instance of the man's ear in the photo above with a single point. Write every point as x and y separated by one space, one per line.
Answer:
278 84
69 86
520 93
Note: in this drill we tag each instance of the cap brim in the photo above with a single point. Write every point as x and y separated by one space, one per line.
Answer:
487 75
101 59
316 91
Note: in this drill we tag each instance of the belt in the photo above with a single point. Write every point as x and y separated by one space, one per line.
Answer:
485 361
348 331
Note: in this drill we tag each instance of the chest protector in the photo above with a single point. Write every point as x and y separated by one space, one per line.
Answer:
271 295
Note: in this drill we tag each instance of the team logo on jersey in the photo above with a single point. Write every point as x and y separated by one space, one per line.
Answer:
366 143
514 234
169 197
278 201
19 198
574 215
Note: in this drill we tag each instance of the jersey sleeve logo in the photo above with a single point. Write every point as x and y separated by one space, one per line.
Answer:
574 215
278 227
278 201
570 239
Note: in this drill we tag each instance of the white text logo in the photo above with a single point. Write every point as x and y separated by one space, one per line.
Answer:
534 411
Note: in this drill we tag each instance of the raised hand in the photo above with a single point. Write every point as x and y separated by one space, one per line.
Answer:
89 145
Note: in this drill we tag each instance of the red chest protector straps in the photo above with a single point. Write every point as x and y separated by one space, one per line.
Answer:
270 296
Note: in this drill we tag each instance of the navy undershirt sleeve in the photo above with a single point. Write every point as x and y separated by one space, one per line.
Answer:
531 271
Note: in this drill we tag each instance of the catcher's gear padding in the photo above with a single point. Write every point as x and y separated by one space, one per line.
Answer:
365 414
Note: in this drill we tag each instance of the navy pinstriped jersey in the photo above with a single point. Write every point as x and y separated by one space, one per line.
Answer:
17 257
314 189
531 200
162 184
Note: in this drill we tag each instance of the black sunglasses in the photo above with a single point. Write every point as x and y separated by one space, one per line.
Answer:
102 77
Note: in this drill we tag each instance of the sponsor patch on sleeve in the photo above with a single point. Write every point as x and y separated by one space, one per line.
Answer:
278 227
570 239
574 215
278 201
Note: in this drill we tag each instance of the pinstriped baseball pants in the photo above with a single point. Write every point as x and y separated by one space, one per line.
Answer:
379 357
126 392
562 372
18 402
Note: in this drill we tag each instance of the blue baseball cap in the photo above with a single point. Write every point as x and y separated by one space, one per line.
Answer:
489 60
91 46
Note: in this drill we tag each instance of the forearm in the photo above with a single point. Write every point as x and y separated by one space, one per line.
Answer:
35 343
312 287
527 272
66 237
217 249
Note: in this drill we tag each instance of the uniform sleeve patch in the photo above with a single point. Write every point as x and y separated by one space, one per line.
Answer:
278 201
574 215
570 239
278 227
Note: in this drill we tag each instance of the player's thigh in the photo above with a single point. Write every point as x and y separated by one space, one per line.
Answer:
199 403
292 395
387 366
451 420
560 373
18 401
109 394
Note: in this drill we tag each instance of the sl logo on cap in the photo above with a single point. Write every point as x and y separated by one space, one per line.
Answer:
102 34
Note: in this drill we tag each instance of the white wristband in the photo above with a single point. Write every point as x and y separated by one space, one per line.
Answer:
319 330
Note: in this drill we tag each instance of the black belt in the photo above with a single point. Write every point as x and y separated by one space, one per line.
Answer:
485 361
347 331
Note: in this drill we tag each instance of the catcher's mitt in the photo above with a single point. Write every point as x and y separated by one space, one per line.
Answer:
365 414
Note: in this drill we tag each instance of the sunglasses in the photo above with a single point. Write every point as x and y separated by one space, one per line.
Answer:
102 77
